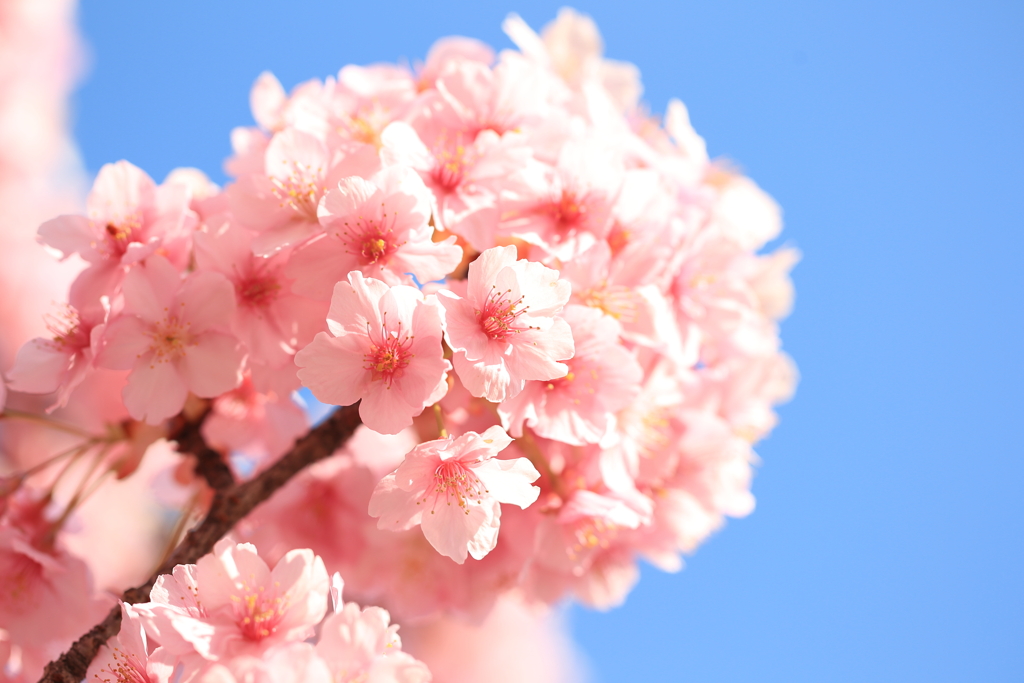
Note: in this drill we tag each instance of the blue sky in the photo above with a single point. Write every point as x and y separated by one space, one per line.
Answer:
889 535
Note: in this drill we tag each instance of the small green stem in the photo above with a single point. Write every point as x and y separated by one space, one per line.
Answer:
439 416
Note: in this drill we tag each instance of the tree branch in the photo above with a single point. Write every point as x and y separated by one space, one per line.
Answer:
229 506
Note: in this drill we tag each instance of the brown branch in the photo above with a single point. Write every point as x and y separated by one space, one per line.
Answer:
229 506
210 464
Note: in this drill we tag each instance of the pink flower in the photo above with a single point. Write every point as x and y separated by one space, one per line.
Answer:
125 658
580 408
260 426
282 204
287 663
169 337
267 315
460 483
362 645
506 330
62 362
568 207
379 227
232 604
385 350
39 580
465 171
129 219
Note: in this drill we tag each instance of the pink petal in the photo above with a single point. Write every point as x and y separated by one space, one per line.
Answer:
93 283
125 340
345 201
318 265
70 235
332 368
155 391
450 528
266 99
206 300
395 508
39 367
484 271
294 152
355 303
213 365
149 288
137 251
509 481
385 410
120 190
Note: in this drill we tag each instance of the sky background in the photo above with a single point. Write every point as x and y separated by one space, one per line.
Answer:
888 540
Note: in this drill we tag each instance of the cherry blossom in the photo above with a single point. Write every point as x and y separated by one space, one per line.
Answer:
169 335
126 656
235 605
460 483
580 407
600 287
384 349
378 227
129 218
505 330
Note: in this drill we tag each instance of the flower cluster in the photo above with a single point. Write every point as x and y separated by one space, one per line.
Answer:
230 618
555 313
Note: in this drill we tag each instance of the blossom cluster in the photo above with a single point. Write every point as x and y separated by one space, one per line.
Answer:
230 618
555 312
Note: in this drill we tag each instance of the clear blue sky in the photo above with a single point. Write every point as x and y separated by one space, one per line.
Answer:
889 537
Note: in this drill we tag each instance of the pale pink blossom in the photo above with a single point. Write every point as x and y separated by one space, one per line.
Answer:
447 50
58 364
170 336
126 659
567 207
384 349
268 318
579 408
367 99
129 218
232 604
293 662
506 329
362 645
39 578
379 227
258 426
281 204
466 171
452 488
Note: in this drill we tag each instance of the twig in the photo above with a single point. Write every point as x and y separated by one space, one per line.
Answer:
229 506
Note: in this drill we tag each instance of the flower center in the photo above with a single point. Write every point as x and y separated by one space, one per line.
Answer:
614 300
389 357
126 668
374 248
67 329
170 339
299 190
452 161
499 315
568 211
258 614
371 240
259 291
122 233
453 480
